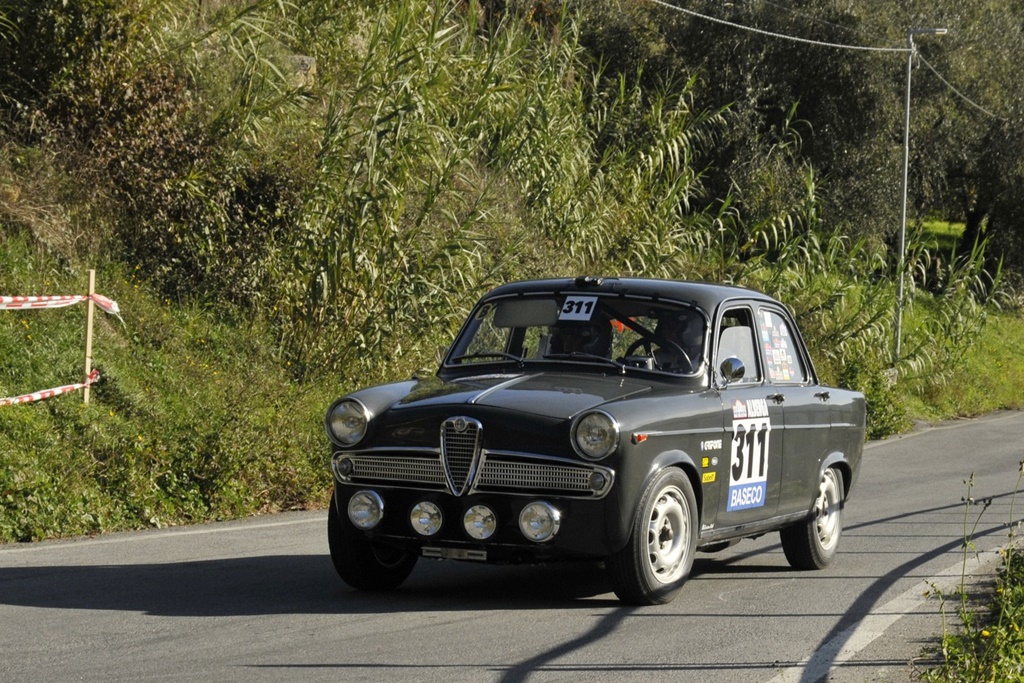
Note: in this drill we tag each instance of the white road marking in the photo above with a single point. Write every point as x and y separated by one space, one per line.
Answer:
154 534
844 646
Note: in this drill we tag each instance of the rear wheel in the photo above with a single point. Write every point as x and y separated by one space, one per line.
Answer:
362 563
652 567
812 544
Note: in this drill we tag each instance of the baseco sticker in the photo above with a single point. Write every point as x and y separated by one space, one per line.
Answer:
748 471
578 308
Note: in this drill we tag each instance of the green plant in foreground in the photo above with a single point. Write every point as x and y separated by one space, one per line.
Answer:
988 647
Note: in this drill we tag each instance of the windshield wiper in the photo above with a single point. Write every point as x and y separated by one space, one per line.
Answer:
489 354
582 355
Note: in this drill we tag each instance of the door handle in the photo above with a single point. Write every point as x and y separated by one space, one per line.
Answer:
777 398
823 395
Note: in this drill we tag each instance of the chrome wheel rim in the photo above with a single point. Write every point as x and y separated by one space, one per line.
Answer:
667 534
827 511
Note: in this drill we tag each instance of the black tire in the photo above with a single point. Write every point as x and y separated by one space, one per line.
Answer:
656 561
361 563
812 544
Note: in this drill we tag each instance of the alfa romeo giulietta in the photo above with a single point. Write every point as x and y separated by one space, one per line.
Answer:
628 421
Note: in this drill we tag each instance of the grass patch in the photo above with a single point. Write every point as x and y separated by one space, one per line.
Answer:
941 236
988 377
195 417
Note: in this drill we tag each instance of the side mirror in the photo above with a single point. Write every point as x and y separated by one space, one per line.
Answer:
732 369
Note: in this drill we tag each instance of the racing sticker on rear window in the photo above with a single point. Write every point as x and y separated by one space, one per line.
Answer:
578 308
748 473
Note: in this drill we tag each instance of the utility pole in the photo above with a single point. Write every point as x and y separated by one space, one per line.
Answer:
906 163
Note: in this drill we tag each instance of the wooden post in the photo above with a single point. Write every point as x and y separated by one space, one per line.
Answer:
88 333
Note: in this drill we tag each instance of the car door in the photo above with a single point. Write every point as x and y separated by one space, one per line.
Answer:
753 423
804 403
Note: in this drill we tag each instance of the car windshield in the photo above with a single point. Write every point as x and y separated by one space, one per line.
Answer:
559 328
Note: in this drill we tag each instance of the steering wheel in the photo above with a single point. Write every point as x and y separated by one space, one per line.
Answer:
663 343
642 341
679 351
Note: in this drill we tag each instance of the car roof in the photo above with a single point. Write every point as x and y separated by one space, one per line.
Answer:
706 295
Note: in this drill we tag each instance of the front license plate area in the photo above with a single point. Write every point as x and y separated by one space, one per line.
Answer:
456 554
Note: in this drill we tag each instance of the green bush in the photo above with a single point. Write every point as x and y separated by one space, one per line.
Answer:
887 410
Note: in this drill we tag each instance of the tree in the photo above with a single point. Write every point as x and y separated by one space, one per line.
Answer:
964 150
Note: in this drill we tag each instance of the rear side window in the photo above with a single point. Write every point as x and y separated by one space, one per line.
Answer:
782 357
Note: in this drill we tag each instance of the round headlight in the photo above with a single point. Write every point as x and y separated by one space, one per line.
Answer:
365 509
480 522
596 435
539 521
347 422
426 518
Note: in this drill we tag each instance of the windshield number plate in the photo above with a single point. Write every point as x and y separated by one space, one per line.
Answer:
578 308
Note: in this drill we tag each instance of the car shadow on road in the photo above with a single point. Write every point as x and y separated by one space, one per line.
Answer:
292 584
289 584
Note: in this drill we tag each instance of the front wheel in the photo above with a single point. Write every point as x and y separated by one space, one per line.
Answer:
652 567
812 544
361 563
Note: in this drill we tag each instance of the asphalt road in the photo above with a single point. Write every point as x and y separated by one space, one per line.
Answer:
258 600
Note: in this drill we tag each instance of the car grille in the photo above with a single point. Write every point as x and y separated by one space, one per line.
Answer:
398 469
533 476
460 453
499 473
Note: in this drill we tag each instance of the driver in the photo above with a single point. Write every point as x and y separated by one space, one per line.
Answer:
685 328
594 339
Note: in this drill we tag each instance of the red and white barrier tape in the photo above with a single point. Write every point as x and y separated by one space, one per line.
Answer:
49 393
13 303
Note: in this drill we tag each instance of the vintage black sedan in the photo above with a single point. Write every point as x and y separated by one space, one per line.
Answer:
629 421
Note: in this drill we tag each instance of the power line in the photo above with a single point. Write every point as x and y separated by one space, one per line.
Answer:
841 46
778 35
959 94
